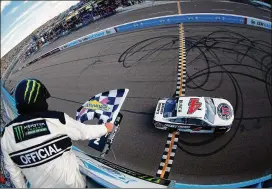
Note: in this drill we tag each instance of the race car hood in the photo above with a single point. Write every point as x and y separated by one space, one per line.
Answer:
224 112
191 107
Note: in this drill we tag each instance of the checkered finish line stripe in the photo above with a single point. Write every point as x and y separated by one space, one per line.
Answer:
172 140
168 155
181 77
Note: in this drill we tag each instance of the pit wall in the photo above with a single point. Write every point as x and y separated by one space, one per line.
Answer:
101 171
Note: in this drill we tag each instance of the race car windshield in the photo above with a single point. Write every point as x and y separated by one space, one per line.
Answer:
210 110
170 108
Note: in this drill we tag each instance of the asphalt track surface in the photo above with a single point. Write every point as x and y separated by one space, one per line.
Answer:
226 61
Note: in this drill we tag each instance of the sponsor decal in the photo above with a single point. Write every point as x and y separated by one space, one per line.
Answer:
34 84
45 152
162 108
158 109
259 23
116 174
194 105
158 124
171 126
150 179
30 130
95 105
96 35
224 111
180 105
162 21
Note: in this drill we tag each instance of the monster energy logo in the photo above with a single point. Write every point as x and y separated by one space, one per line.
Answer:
19 132
150 179
34 84
30 130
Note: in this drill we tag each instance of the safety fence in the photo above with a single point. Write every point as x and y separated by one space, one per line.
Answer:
111 175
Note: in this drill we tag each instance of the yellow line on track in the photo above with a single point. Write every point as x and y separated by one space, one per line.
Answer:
168 154
181 37
181 53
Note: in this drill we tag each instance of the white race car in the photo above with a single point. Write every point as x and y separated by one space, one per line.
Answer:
194 114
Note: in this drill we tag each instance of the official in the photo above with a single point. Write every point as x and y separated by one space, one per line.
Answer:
37 144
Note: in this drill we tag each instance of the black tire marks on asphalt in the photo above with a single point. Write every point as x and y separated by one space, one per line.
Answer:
228 44
234 47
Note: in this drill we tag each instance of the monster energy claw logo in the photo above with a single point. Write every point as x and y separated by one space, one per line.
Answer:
19 132
150 179
34 84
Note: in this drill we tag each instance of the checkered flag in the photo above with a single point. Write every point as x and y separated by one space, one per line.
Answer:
104 106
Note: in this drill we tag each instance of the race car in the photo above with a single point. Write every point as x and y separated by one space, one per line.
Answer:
194 114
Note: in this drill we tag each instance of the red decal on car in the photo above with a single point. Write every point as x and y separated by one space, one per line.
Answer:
225 110
194 105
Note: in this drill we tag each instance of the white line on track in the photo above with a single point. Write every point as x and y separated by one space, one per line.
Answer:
234 2
161 12
266 9
223 10
267 17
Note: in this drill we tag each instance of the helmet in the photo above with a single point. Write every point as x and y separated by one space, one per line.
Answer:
30 96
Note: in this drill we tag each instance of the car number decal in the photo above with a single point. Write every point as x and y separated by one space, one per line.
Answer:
194 105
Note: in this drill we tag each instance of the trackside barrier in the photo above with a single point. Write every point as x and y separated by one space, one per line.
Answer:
111 175
263 182
8 104
75 42
262 3
159 21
